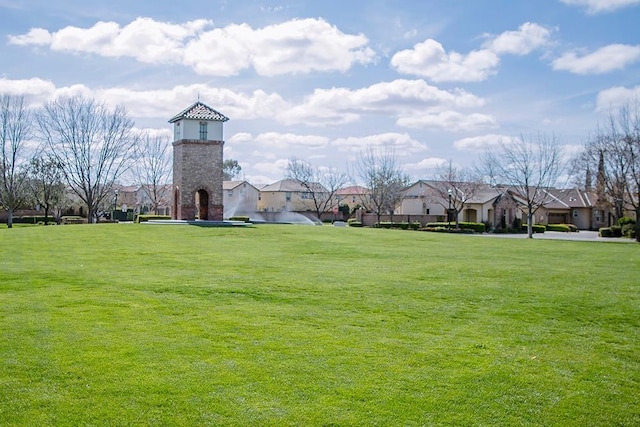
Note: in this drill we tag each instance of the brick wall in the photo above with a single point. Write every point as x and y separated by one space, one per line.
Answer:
197 165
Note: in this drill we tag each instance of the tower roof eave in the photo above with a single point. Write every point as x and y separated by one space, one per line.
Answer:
199 111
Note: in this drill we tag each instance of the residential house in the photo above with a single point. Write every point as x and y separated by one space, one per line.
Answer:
429 197
561 206
288 195
354 196
239 198
144 199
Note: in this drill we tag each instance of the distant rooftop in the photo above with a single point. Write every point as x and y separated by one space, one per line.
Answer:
199 111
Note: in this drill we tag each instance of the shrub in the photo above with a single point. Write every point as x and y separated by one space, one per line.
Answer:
537 228
350 220
625 220
239 218
415 225
558 227
354 223
33 219
148 217
629 230
605 232
476 227
616 231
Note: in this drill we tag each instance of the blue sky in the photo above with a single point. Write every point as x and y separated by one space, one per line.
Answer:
321 81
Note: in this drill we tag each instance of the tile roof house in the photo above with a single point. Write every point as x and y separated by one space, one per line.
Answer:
353 196
288 195
561 206
426 197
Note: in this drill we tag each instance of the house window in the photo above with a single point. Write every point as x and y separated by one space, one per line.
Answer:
288 196
306 195
203 130
230 193
598 215
259 196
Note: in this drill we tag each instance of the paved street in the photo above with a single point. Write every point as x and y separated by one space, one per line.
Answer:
589 236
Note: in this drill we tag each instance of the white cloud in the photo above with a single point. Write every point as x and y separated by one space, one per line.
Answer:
289 140
35 36
401 142
295 46
451 121
398 97
430 163
480 143
606 59
616 97
162 102
597 6
154 132
35 87
275 168
239 138
429 58
529 37
413 102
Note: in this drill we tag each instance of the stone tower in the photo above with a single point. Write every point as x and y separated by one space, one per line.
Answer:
197 163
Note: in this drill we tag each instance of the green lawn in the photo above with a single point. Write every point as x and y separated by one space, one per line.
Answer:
312 326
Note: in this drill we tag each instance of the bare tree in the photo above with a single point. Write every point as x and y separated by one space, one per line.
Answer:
455 187
527 168
629 124
231 169
152 167
46 183
614 152
378 170
322 185
91 141
15 129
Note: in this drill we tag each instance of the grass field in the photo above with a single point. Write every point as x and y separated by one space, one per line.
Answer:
300 325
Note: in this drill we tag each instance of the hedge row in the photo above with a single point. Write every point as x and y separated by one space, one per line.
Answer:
400 225
352 222
565 228
537 228
627 230
476 227
613 231
33 219
239 218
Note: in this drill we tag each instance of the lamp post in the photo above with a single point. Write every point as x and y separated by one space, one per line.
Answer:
115 205
449 211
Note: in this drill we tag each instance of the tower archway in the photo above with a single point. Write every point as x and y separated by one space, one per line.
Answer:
202 204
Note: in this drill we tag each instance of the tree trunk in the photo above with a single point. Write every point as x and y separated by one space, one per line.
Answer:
638 224
530 223
10 219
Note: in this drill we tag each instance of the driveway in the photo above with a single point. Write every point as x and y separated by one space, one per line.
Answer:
587 236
